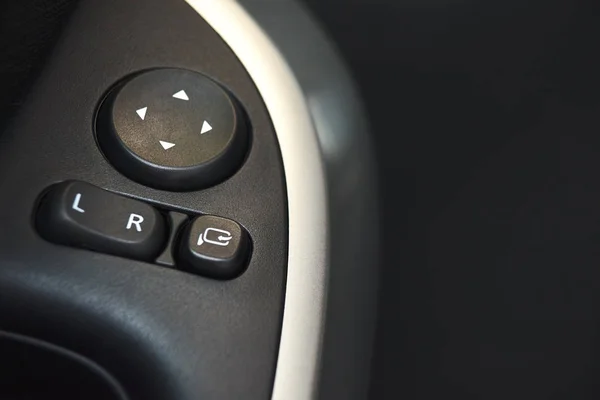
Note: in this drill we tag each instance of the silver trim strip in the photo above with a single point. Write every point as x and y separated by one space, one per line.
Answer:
298 363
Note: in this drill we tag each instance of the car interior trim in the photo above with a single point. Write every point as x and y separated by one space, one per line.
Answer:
300 349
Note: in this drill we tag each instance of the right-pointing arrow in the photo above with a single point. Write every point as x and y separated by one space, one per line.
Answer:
205 128
166 145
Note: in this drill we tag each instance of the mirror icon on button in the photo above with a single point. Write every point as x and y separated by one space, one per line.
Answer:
217 238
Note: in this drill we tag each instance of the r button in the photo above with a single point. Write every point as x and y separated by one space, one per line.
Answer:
214 247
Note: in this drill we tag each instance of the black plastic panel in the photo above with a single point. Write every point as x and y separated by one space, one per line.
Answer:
162 333
35 370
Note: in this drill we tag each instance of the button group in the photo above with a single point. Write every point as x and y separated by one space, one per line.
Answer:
82 215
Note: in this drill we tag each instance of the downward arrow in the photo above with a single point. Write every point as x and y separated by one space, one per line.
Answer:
166 145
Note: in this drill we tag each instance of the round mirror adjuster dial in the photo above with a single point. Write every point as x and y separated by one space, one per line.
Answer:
172 129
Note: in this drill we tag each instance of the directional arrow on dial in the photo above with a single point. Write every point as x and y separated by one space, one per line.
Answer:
142 112
166 145
181 95
205 128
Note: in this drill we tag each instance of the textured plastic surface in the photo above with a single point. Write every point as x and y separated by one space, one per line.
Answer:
32 369
176 223
161 333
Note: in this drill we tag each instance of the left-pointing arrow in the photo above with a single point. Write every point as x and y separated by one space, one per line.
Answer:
166 145
142 112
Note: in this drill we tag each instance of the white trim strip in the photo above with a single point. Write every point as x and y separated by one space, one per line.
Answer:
298 363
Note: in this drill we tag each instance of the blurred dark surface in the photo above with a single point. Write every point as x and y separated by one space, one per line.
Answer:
28 31
486 122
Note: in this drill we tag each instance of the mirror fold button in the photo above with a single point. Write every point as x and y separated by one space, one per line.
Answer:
214 247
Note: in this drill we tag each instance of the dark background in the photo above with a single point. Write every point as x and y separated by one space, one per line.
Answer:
487 129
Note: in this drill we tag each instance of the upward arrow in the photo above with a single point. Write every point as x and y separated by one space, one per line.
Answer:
182 95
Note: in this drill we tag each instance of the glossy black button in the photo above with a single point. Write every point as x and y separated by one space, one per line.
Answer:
172 129
82 215
214 247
